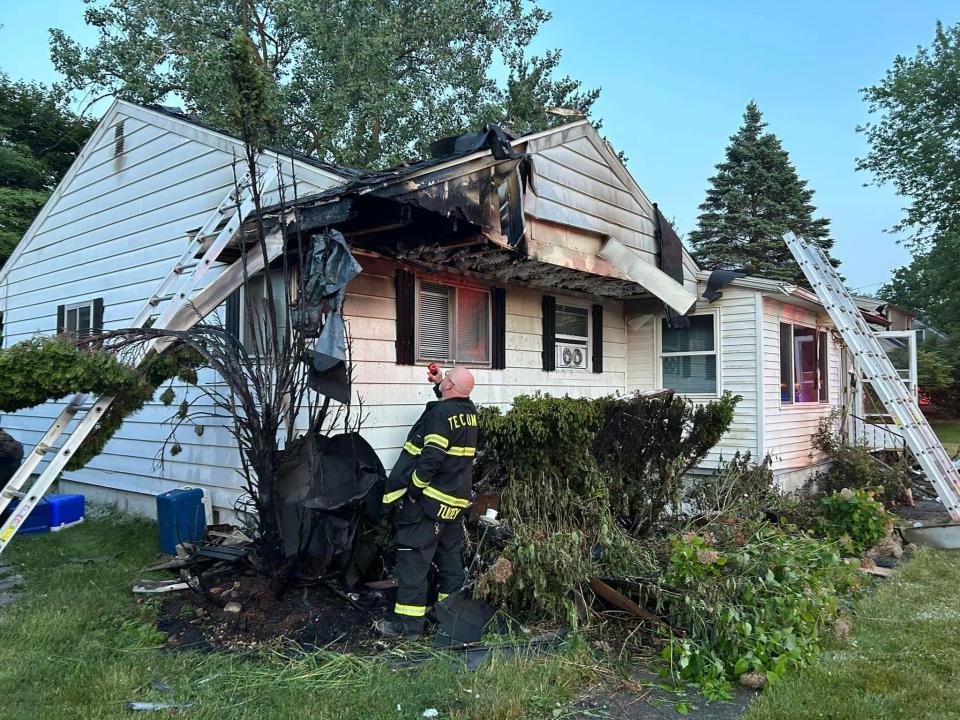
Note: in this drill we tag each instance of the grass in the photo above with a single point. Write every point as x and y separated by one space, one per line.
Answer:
76 644
949 433
902 659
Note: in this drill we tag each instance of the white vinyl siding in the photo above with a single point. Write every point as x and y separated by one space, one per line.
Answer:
394 395
113 229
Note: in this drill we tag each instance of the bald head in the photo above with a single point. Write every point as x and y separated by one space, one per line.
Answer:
457 383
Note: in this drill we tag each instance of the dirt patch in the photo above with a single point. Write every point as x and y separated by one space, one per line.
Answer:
242 613
647 696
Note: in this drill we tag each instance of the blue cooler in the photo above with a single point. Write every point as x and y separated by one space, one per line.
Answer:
181 518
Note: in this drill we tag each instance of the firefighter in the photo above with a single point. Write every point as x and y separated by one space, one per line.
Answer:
432 482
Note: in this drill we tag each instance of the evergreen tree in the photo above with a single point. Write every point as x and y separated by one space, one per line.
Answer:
755 197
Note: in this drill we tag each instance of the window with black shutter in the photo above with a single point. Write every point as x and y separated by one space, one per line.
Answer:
80 319
453 324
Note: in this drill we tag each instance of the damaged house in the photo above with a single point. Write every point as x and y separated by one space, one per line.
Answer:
538 261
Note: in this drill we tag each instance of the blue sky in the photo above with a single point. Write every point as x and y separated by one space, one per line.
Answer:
676 78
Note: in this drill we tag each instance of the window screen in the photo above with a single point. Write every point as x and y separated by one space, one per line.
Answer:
689 356
473 325
256 309
572 323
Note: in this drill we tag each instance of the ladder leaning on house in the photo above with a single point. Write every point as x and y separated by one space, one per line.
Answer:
870 357
185 306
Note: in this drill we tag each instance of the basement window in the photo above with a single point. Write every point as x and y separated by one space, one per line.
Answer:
453 324
688 356
803 364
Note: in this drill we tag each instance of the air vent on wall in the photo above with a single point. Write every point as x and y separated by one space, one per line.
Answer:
118 139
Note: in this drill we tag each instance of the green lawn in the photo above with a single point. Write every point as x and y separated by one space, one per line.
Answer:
949 433
76 644
902 660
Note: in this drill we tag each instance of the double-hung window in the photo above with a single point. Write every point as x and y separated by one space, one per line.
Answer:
688 356
804 363
81 319
453 323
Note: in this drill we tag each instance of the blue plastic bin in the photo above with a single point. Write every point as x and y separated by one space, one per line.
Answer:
180 518
53 512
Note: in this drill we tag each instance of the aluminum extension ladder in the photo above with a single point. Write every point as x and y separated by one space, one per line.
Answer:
870 357
183 310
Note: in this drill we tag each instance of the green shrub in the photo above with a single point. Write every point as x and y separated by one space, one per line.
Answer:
756 599
646 445
854 517
580 480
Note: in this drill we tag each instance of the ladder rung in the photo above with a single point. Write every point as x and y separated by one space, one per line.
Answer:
12 494
157 299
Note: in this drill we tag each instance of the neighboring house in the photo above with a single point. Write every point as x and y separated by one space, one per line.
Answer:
492 258
885 314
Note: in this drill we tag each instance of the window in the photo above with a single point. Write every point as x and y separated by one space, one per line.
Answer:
688 356
78 319
573 337
81 319
803 364
255 311
453 323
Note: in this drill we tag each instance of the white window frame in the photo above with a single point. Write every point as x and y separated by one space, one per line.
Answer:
588 348
817 329
78 306
715 313
453 321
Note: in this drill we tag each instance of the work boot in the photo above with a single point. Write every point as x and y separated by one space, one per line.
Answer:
407 629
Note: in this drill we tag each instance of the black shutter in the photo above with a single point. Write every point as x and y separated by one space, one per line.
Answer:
406 315
498 345
96 325
549 332
597 338
231 323
61 318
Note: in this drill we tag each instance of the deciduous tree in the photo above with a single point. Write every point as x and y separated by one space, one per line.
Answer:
356 83
915 140
39 138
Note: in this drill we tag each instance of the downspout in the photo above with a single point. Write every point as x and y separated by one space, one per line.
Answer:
761 396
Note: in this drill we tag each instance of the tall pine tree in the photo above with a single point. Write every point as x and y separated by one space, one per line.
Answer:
755 197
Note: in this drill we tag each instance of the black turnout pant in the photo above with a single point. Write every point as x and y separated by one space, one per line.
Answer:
422 541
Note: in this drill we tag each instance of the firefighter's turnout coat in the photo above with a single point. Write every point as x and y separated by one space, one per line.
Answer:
436 464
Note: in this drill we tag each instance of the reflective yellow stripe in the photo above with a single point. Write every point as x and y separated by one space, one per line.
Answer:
442 596
411 448
391 496
437 440
417 481
410 610
432 492
462 451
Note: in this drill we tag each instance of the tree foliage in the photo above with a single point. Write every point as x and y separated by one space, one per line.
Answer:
51 368
755 197
356 83
39 139
915 140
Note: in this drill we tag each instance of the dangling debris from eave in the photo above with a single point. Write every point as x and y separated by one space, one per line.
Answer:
331 268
